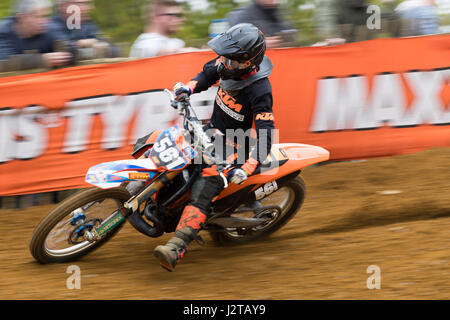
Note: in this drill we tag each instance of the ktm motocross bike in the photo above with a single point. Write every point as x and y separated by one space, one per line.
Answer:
163 168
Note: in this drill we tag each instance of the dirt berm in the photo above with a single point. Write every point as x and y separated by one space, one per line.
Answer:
392 213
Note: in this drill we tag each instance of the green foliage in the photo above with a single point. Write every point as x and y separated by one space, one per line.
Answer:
121 21
302 20
195 30
5 8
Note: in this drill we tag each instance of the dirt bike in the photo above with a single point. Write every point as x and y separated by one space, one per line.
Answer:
161 174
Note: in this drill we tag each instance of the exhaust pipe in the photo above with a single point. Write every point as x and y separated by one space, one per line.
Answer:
143 227
133 204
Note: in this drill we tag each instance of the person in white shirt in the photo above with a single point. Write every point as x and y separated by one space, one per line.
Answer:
165 19
422 15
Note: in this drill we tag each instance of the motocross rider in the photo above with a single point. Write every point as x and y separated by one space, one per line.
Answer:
244 99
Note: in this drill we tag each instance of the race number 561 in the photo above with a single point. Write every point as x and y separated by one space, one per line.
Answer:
265 190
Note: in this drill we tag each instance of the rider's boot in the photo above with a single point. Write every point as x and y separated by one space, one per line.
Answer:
190 224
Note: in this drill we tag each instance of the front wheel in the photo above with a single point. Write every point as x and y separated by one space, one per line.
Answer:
288 199
59 236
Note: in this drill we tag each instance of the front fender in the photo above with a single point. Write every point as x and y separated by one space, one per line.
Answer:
111 174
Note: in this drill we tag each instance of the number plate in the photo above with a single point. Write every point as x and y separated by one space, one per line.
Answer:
166 154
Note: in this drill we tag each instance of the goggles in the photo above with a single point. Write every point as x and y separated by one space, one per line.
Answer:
233 64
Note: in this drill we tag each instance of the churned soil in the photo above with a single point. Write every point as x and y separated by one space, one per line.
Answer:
386 214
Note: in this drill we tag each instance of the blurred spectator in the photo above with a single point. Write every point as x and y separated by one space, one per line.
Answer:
26 31
166 17
352 14
349 19
84 34
265 15
78 32
325 18
422 16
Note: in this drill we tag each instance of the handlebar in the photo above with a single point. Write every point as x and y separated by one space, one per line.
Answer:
194 126
202 143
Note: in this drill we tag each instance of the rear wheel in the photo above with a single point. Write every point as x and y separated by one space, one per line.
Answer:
288 199
59 236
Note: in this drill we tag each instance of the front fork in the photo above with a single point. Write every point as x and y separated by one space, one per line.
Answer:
130 206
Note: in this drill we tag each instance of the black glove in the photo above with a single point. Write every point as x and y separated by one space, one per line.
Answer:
182 92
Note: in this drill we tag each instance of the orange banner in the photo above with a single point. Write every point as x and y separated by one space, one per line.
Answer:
360 100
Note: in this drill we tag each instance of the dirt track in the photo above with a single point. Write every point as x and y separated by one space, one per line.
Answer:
348 223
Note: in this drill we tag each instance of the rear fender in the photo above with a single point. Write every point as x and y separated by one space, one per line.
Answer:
292 157
251 193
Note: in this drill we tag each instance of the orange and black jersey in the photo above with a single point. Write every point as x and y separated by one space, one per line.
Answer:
240 109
